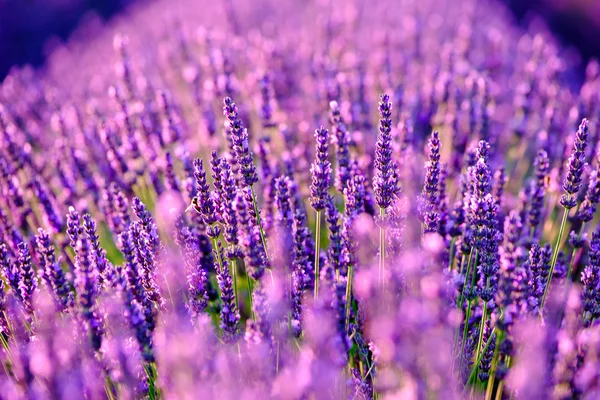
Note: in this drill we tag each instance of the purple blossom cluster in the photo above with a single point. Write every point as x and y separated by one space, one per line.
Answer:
301 201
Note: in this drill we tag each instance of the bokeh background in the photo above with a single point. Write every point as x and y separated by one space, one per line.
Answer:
28 28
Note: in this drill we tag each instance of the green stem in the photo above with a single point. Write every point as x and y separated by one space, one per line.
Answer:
490 385
554 258
258 221
153 392
234 275
249 285
317 248
381 247
451 256
349 294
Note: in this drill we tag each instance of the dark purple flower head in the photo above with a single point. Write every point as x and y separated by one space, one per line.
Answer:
53 273
591 281
283 201
28 277
537 277
203 202
254 251
266 95
320 170
355 193
341 139
385 182
116 208
86 282
592 197
10 270
230 317
170 176
150 230
74 229
43 197
576 166
431 189
215 166
542 168
239 136
228 214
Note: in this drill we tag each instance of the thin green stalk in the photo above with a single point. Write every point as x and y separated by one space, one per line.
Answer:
381 247
554 257
153 392
349 294
451 256
110 388
490 385
234 276
249 285
317 248
258 221
484 317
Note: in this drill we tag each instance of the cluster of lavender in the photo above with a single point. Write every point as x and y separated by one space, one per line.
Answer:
259 200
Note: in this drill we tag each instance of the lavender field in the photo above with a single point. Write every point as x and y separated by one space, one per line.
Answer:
302 200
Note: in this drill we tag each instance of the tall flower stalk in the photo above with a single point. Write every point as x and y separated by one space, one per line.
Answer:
321 175
241 146
385 182
571 186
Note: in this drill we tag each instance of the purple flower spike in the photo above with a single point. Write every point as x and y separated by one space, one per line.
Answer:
230 317
542 168
341 139
74 230
385 183
591 281
53 273
239 136
86 283
431 189
576 166
10 270
28 278
592 198
203 203
320 170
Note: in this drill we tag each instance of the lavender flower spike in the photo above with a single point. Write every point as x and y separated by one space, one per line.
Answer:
542 167
576 166
385 182
591 282
229 313
320 170
431 190
203 203
239 136
321 173
53 273
28 281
